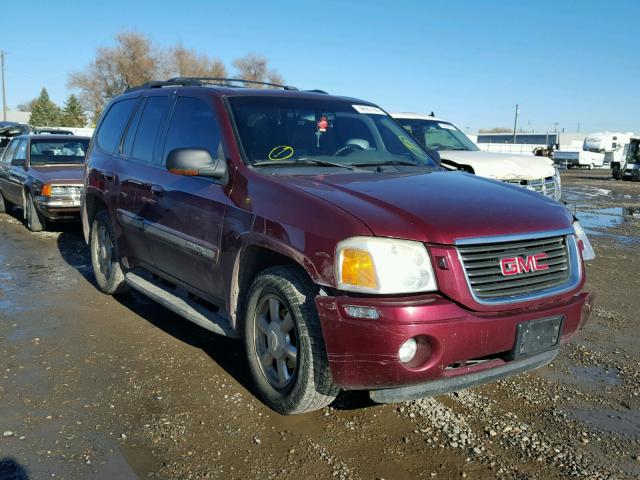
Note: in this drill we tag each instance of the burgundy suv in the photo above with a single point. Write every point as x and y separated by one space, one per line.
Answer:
316 229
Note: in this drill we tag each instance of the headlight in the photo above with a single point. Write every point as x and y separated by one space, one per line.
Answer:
383 265
61 190
583 242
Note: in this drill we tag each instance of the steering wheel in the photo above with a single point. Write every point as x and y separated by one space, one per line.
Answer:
348 149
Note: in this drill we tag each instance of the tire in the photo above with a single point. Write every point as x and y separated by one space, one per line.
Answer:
105 259
5 205
36 222
307 384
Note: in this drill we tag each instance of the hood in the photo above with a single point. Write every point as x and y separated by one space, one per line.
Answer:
437 207
58 173
502 166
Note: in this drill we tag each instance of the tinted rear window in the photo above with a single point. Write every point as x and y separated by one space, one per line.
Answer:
149 128
113 124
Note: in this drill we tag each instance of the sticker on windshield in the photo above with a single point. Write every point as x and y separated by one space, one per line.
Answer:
281 152
446 126
411 146
368 109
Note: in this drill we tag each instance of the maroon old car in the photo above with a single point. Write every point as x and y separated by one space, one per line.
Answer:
42 174
314 228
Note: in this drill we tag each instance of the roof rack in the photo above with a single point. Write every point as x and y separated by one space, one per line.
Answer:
202 81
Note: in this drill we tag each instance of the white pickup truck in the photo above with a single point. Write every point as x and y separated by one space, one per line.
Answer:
457 150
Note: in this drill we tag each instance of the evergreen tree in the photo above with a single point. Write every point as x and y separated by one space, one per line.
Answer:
72 113
44 112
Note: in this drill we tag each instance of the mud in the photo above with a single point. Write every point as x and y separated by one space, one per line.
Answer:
99 387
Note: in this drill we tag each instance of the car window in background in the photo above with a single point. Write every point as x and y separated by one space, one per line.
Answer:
21 151
8 153
113 124
289 129
58 151
149 128
436 135
193 125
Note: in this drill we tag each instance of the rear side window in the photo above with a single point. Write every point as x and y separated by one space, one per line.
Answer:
113 124
193 125
149 128
8 154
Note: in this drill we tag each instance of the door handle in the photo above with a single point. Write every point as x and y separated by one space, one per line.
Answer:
157 190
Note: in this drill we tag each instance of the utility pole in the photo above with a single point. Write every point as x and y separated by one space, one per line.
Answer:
4 98
555 127
515 123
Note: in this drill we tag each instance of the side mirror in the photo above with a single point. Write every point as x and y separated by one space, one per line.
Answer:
195 162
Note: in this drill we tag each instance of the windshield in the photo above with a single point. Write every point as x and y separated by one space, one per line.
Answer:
55 151
277 130
436 135
633 156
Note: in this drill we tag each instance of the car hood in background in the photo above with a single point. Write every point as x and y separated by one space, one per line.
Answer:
58 173
437 207
502 166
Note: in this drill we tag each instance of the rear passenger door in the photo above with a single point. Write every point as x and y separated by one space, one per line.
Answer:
17 173
185 219
5 167
138 170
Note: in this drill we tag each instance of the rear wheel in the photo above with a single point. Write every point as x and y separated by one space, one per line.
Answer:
36 222
104 256
5 205
284 343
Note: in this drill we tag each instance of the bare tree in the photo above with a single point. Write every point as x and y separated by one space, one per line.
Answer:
256 68
131 62
184 62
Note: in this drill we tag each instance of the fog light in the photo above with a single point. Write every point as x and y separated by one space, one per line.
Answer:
362 312
408 350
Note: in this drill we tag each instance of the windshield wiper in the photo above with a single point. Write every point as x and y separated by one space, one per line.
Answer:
302 161
387 162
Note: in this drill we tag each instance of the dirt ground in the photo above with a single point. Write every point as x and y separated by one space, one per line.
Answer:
98 387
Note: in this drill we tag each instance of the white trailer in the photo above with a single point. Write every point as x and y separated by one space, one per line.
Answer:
598 149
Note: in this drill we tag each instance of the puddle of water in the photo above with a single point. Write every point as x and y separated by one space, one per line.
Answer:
597 375
625 423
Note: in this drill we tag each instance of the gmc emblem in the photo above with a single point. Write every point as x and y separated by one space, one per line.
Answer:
516 265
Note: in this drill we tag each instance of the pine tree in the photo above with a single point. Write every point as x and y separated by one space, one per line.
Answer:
44 112
73 113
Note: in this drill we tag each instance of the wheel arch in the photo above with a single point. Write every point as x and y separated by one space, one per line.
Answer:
92 204
255 256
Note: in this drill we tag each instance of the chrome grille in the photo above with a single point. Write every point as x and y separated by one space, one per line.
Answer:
546 186
482 267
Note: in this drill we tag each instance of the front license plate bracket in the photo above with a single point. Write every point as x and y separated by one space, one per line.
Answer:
536 336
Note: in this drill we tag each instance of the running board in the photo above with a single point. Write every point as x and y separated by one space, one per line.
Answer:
178 302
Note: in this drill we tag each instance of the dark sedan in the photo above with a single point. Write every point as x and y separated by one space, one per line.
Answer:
42 174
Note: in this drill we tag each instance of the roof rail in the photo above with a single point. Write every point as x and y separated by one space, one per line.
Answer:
201 81
317 90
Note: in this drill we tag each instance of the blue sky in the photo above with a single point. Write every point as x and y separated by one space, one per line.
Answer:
469 61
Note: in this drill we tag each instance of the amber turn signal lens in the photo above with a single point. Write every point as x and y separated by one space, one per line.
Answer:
358 268
46 190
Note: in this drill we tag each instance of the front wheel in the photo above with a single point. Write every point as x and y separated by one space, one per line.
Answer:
36 222
284 343
104 256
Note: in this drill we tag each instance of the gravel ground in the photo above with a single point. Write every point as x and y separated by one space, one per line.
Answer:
97 387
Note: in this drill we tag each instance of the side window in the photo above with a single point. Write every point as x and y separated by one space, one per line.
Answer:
8 153
193 125
21 151
113 124
149 128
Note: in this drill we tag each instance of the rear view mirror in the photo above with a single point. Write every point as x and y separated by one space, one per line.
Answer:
195 162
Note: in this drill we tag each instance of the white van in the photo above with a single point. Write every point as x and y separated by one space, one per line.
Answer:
457 150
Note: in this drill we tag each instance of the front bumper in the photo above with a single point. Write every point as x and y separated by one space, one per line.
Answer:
59 208
363 354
